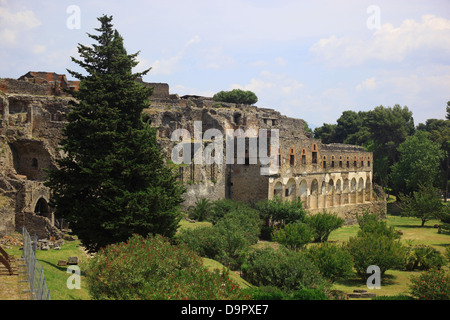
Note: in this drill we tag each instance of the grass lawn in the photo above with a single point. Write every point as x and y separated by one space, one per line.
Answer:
395 282
57 276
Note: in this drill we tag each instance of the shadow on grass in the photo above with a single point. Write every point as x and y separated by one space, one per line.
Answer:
409 226
60 268
386 279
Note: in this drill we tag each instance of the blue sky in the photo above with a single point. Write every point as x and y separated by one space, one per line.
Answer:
307 59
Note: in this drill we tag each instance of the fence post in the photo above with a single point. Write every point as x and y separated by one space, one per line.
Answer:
38 286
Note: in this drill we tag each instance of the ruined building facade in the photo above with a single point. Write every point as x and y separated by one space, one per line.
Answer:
33 110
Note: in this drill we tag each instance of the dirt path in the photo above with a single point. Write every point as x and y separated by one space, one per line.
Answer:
13 287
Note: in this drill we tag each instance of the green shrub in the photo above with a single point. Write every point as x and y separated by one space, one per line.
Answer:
322 224
371 223
309 294
266 293
276 212
228 241
282 268
431 285
236 96
424 258
293 236
152 268
274 293
376 249
201 210
223 206
334 261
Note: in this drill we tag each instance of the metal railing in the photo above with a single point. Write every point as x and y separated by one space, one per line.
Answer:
35 272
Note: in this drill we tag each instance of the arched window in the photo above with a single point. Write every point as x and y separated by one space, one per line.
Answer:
368 161
279 158
340 161
303 156
34 163
332 161
324 162
314 153
355 161
362 162
41 208
348 162
291 157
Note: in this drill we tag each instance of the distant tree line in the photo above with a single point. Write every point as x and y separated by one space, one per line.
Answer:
405 155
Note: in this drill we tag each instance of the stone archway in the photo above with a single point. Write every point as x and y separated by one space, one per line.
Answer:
360 191
303 191
314 197
353 186
278 190
291 190
41 208
330 193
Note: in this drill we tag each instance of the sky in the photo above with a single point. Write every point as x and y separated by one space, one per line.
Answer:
306 59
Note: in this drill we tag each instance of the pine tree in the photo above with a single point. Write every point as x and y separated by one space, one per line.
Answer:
113 181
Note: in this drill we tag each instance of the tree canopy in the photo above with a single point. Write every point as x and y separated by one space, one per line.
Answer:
113 181
418 164
236 96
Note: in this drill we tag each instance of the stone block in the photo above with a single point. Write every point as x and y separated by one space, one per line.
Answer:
72 260
62 263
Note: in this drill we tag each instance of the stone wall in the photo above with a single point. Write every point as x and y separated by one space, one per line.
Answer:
23 87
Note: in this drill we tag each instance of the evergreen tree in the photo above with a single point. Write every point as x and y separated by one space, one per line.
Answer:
113 181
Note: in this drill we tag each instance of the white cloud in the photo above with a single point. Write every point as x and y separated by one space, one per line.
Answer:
13 25
281 62
389 44
167 66
38 49
269 83
215 58
183 90
368 84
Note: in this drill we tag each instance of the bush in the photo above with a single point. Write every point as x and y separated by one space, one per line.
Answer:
424 258
228 241
282 268
333 261
266 293
223 206
201 210
431 285
371 223
152 268
322 224
276 212
236 96
293 236
375 249
309 294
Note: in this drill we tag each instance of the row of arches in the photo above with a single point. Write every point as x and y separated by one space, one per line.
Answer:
329 193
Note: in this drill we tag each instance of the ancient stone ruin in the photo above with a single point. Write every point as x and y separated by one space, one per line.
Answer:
335 177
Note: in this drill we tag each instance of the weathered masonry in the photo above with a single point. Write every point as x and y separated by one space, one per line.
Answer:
33 111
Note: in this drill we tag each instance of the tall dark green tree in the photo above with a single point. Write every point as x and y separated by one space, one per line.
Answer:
439 132
389 127
113 181
418 164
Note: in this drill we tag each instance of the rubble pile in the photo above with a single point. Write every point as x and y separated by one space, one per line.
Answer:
10 241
